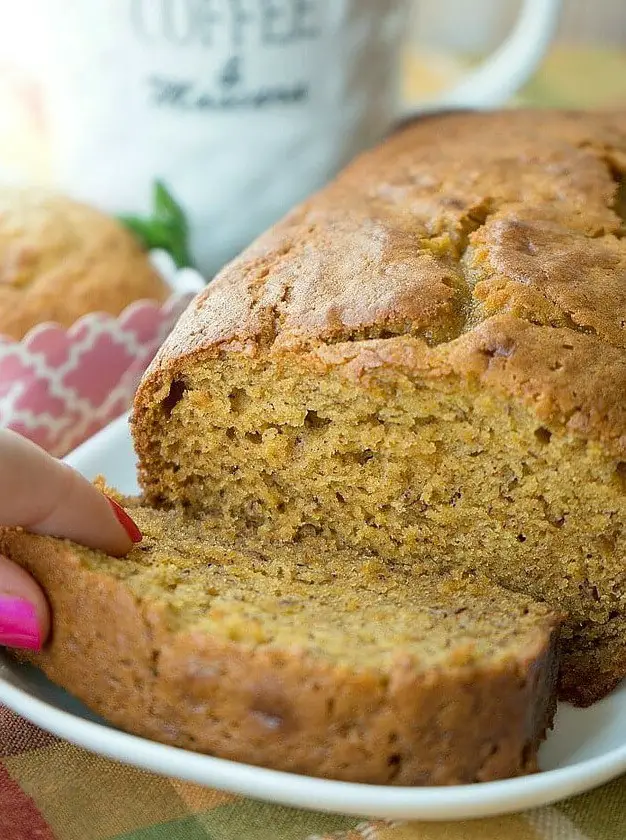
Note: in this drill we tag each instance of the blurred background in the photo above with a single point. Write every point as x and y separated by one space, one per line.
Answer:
585 67
461 24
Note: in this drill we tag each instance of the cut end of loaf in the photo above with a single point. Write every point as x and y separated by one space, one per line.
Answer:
427 471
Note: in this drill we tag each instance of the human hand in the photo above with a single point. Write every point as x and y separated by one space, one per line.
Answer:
45 496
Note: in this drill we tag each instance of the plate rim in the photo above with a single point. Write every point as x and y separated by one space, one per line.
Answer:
357 799
379 801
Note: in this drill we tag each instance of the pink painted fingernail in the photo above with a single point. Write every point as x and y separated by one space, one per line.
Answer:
19 625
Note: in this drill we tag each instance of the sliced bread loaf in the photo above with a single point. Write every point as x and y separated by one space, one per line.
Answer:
427 362
331 666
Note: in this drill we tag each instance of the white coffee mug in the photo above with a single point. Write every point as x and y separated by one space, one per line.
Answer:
241 107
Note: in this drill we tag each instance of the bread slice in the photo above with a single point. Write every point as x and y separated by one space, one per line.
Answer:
331 666
427 362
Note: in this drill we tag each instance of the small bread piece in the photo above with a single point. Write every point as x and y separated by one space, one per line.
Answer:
60 259
327 666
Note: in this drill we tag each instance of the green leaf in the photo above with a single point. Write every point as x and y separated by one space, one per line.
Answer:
165 229
167 209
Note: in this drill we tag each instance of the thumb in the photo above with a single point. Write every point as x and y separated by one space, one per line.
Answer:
24 611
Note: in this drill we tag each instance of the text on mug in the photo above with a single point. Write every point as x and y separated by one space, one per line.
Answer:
238 22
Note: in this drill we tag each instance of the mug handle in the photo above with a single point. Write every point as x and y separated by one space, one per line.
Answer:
508 68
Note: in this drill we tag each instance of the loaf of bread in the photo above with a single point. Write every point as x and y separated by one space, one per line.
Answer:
60 260
337 666
425 363
384 464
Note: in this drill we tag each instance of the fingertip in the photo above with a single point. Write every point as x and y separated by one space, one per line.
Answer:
24 611
85 515
46 496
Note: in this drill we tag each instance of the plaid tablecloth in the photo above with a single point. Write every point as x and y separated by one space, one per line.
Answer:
51 790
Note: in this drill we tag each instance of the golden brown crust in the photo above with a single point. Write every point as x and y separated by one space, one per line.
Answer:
496 239
275 708
60 260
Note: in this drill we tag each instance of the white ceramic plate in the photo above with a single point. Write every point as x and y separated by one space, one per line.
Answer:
586 748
